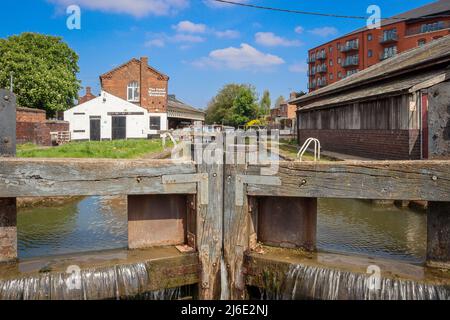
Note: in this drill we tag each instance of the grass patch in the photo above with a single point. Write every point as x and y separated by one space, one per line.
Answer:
116 149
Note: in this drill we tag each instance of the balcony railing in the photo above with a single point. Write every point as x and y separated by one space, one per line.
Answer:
321 55
311 59
387 55
428 27
353 46
350 62
322 83
322 69
390 38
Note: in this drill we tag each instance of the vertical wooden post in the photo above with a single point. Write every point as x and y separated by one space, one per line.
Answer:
438 234
210 232
238 232
8 210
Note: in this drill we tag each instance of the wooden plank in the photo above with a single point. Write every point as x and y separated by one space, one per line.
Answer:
64 177
209 233
238 231
438 234
385 180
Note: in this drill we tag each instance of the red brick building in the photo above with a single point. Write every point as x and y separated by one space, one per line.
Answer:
138 83
365 47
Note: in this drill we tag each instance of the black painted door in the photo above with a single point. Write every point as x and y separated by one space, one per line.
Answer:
95 130
119 128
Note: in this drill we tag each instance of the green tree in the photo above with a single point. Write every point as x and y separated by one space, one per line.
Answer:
44 70
264 104
279 101
234 105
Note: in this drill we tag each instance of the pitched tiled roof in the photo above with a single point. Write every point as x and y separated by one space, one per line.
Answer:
134 60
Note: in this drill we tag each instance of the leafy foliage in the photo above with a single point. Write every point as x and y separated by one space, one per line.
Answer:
234 105
44 70
264 104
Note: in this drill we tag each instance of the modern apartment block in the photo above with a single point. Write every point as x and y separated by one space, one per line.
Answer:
365 47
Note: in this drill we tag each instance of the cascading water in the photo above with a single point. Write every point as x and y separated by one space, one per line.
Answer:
117 282
310 282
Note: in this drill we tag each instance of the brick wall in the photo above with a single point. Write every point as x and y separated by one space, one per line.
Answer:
29 115
56 125
374 144
116 83
34 132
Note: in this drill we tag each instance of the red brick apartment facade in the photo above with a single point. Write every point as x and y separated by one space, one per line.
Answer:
363 48
151 86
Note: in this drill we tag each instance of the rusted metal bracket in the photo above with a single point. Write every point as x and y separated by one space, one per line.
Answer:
7 123
244 179
200 178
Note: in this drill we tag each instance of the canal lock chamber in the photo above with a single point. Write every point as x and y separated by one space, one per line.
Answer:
283 263
57 269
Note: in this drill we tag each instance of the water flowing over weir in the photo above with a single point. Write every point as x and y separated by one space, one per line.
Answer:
306 282
287 275
153 280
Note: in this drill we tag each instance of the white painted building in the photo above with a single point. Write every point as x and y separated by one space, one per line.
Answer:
108 117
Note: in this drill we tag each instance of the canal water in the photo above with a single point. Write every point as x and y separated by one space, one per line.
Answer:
99 223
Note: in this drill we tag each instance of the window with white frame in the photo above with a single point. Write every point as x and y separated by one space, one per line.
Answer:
133 91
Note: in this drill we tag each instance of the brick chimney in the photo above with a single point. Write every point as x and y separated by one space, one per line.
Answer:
87 96
143 85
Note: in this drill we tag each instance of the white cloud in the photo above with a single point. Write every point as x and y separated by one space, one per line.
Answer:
299 29
324 31
298 68
244 57
271 40
155 43
161 39
136 8
190 27
228 34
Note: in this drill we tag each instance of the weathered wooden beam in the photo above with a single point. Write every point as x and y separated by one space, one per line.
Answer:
238 230
396 180
438 234
156 220
65 177
209 233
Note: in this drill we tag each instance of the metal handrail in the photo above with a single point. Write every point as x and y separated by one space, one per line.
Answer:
305 147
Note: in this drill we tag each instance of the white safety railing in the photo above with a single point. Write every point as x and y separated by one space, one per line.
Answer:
306 147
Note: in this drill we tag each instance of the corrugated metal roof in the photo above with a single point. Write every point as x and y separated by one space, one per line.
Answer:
174 104
416 59
385 88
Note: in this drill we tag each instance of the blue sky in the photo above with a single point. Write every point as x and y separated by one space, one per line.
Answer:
199 44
